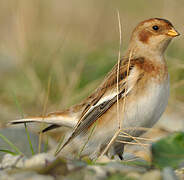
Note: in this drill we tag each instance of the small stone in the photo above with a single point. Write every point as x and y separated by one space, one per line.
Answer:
113 167
180 173
30 176
10 161
99 171
36 162
133 175
76 175
169 174
152 175
5 176
75 164
39 161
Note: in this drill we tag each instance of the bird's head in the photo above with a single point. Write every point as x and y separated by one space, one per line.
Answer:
152 35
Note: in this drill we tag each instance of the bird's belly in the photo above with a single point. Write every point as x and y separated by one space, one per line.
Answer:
140 111
146 109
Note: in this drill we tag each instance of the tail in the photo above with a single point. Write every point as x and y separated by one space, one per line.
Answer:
55 121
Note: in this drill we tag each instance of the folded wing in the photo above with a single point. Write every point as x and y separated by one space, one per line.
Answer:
107 92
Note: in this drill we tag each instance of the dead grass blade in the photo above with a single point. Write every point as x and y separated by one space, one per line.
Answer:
139 138
118 69
139 128
133 143
26 129
44 112
133 138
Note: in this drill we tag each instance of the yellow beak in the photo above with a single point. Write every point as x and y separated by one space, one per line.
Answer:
173 33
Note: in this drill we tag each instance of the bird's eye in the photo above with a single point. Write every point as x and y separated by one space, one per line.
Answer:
155 27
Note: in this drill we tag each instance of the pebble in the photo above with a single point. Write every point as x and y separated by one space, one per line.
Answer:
152 175
133 175
119 167
28 175
10 161
99 171
36 162
39 161
169 174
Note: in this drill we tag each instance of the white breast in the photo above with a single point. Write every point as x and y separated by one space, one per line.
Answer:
146 110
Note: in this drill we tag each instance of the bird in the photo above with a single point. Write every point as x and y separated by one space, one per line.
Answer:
143 91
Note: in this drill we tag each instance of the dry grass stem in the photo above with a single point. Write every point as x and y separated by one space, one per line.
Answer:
118 69
44 112
124 103
139 128
113 139
133 143
134 138
139 138
124 100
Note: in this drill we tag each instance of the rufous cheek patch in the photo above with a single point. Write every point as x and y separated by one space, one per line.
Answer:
144 36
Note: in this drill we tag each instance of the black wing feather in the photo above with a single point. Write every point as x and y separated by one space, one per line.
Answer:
91 117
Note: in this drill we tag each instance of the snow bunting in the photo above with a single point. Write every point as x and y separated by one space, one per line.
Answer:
144 84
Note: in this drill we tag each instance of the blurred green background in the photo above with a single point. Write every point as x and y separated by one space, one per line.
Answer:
74 44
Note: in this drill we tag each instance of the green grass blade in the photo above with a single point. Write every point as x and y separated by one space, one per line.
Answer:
46 144
8 151
22 114
18 105
29 139
10 144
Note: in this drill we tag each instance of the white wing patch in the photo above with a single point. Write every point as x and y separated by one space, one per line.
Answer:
130 81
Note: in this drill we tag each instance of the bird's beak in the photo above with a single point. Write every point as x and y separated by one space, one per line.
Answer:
173 33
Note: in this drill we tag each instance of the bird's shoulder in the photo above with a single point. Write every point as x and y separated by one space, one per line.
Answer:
109 84
138 68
